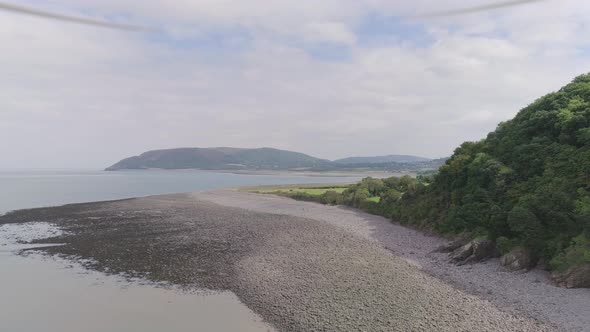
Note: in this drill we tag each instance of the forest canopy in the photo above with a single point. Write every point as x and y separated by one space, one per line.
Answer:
527 185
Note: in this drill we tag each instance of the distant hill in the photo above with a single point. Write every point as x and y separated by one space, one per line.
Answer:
220 158
394 158
227 158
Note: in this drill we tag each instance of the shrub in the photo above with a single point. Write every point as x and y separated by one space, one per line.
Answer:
577 253
331 197
505 245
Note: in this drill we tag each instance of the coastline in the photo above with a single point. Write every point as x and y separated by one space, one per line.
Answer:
55 294
352 174
302 173
304 265
530 294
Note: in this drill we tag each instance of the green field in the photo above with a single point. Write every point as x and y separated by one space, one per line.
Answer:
289 191
316 191
375 199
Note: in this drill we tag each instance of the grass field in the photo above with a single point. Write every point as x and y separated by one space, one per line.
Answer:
316 191
375 199
309 190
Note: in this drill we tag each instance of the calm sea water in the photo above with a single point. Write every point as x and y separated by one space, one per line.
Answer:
52 294
29 189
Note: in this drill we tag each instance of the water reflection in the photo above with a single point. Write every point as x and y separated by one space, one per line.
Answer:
50 294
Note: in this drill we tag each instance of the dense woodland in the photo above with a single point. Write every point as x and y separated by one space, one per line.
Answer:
526 185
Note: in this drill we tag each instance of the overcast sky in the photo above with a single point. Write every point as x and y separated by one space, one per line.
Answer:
330 78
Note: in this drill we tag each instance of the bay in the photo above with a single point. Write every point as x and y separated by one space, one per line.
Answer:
23 189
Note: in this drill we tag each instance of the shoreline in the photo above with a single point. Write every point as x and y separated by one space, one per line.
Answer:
532 294
302 173
269 249
33 277
352 174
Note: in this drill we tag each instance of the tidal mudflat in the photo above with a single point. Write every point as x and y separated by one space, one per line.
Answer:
53 294
299 274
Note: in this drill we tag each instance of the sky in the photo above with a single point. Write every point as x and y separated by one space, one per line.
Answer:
330 78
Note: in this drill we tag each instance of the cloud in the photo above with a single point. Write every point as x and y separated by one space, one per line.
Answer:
236 73
332 32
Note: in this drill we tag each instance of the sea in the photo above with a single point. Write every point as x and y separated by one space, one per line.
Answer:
53 294
23 189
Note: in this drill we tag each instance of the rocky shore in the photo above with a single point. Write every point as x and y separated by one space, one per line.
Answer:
301 266
531 294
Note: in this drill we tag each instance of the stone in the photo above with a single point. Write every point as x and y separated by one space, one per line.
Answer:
454 245
574 277
518 259
474 251
462 253
483 248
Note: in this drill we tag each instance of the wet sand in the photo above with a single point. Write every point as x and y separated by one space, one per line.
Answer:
298 273
52 294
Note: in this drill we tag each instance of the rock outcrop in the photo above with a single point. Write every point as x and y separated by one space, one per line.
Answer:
455 244
518 259
574 277
474 251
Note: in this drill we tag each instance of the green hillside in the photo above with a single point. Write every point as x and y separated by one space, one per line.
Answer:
227 158
527 184
394 158
523 192
268 158
220 158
